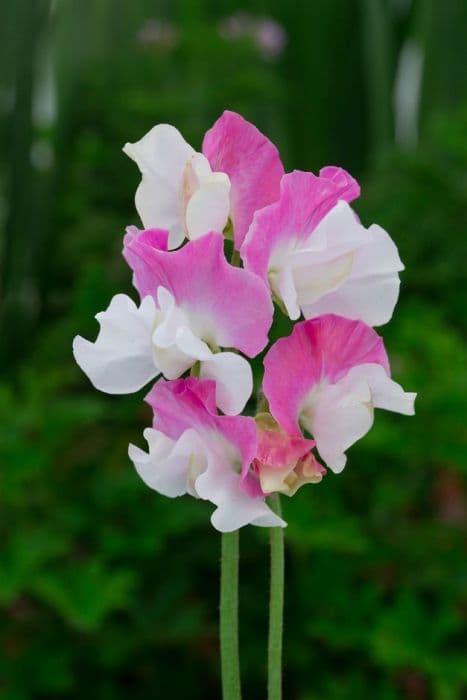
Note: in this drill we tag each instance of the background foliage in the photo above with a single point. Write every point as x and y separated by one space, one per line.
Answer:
107 589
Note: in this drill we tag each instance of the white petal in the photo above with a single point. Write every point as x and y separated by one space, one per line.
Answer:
120 360
171 466
188 343
172 361
341 414
158 206
168 323
201 167
162 151
371 290
385 392
338 233
234 380
286 291
317 280
165 300
221 486
208 209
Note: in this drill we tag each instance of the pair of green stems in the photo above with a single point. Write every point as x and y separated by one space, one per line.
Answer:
230 661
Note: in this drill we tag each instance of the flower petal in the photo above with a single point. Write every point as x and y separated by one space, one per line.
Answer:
236 147
235 508
234 380
161 156
227 306
342 415
166 468
371 291
322 349
143 276
208 208
120 360
385 393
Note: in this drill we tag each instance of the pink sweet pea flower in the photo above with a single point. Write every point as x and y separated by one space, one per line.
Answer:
192 303
327 377
284 462
252 162
193 450
317 257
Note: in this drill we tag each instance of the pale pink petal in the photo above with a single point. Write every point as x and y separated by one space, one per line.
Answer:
304 201
236 147
227 306
322 349
277 448
234 380
283 462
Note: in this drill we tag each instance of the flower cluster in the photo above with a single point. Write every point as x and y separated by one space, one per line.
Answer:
299 245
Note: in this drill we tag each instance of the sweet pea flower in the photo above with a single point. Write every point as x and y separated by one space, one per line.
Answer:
178 190
192 303
190 193
317 257
327 377
194 450
283 462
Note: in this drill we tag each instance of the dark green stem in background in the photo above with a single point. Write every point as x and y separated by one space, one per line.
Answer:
230 662
276 605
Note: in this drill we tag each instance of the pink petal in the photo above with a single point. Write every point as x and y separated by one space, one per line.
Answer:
143 277
189 403
236 147
278 449
228 306
304 201
322 348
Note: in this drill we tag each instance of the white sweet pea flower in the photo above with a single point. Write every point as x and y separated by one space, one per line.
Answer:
178 190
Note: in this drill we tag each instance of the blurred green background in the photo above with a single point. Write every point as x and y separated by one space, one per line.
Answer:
108 590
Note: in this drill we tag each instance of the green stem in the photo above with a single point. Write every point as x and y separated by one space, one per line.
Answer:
230 663
276 606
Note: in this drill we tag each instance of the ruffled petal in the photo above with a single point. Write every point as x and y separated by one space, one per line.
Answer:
227 306
169 467
236 147
121 359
